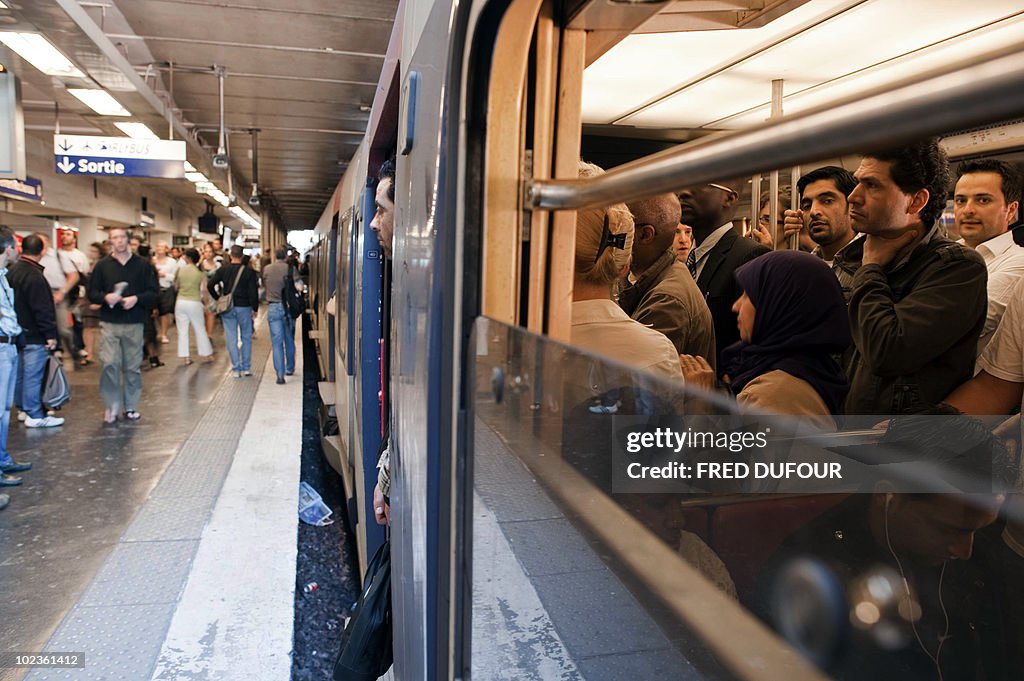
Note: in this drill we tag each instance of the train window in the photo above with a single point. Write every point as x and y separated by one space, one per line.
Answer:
816 536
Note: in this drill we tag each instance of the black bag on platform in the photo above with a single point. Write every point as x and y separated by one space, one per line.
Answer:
366 652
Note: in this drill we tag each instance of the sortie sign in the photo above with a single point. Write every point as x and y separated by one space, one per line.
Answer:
118 156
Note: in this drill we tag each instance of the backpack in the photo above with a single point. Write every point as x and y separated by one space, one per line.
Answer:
56 389
291 298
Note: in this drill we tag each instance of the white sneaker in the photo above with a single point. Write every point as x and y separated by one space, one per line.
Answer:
22 415
45 422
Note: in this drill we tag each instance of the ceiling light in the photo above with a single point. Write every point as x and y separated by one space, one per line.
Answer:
189 168
196 177
137 131
40 52
99 101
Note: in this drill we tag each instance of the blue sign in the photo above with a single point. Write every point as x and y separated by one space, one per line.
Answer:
118 167
29 189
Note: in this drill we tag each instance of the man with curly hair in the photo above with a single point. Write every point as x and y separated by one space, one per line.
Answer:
918 300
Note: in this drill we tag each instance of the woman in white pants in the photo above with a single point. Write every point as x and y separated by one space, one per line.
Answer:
188 310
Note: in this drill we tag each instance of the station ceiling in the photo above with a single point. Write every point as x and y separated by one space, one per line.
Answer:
300 73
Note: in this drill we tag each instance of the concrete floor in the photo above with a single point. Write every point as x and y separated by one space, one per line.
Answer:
87 483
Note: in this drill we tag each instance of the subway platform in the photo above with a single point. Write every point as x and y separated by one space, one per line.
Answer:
162 549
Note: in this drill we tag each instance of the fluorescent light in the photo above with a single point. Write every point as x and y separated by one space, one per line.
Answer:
196 177
189 168
40 52
137 131
3 5
99 101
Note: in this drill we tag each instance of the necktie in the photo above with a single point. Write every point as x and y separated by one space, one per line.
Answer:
691 262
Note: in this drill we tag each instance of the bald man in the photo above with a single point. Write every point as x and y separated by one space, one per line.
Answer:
717 251
663 295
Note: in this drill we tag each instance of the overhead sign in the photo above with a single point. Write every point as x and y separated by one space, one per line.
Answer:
118 156
29 189
12 122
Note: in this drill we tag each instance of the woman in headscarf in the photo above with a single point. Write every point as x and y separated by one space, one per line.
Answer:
793 323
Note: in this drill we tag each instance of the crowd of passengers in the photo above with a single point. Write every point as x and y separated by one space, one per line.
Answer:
878 311
117 303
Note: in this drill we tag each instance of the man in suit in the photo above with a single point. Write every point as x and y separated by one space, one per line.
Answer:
718 250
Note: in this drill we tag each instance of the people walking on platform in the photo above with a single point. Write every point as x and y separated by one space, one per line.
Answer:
80 261
60 272
33 302
150 342
124 286
280 320
241 283
209 264
9 332
188 309
91 311
165 266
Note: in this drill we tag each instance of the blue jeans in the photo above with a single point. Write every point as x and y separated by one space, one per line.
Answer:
31 369
238 320
282 338
8 379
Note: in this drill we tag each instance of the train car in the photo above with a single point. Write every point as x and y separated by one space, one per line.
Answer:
508 561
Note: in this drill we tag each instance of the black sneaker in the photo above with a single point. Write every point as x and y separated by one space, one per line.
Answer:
9 480
15 467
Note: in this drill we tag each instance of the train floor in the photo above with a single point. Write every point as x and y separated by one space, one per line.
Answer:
163 548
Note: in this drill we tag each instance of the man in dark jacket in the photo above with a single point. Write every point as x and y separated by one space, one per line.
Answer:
242 283
718 250
37 315
918 301
124 286
663 295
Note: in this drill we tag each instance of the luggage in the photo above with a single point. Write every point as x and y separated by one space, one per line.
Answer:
56 389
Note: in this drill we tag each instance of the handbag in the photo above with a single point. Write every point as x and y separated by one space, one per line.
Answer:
56 389
366 646
292 298
227 300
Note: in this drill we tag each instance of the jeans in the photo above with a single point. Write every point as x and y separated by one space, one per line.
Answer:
8 379
238 320
282 338
31 370
121 354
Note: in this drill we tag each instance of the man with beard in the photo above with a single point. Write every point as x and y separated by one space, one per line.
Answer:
824 214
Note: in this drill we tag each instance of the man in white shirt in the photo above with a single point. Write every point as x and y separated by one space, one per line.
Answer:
63 278
985 204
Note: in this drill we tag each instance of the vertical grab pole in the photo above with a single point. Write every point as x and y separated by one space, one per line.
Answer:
794 202
773 179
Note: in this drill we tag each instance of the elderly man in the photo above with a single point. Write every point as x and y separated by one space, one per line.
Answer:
663 295
917 303
718 250
985 202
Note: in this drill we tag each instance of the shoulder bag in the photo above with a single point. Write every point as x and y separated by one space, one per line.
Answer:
227 301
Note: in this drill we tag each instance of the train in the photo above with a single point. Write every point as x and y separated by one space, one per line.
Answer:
507 562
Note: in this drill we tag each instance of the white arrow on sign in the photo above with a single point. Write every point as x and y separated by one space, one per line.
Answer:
66 165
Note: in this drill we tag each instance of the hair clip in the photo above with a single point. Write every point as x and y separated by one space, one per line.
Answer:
609 239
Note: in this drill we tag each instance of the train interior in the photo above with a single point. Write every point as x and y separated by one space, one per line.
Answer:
579 572
687 72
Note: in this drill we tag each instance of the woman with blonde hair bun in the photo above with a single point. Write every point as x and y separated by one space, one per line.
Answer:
604 242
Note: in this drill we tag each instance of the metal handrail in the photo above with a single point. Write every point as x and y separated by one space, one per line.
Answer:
987 89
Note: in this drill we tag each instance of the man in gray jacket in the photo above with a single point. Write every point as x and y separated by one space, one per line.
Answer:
663 294
917 303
